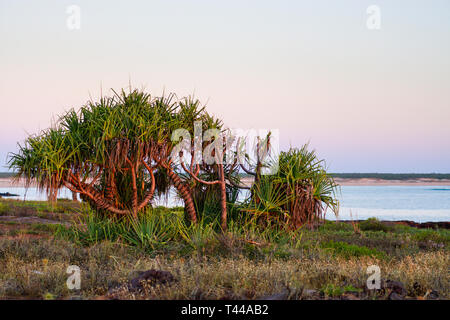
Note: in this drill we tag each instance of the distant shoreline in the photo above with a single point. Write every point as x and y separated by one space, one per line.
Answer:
382 182
10 183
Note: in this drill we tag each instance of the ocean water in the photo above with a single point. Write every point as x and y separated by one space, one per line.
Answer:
33 193
416 203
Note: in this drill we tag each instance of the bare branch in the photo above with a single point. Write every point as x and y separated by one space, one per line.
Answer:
195 176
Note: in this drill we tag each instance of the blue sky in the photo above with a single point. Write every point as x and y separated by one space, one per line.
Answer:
367 100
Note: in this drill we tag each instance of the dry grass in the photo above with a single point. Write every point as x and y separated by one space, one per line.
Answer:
330 260
37 268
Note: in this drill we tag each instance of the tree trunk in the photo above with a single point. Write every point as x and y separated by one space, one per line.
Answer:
96 199
52 197
223 198
74 196
185 194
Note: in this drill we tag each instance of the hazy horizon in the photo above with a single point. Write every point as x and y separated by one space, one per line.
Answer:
367 100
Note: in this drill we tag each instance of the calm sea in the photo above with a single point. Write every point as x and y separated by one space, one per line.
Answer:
416 203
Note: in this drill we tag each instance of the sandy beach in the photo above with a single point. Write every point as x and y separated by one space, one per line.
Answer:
11 183
382 182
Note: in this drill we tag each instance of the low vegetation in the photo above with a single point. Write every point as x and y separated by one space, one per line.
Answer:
246 262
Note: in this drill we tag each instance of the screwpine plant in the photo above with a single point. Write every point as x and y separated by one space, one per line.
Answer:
299 193
116 153
122 151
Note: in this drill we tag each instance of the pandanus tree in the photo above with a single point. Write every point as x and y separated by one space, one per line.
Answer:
121 151
197 164
299 193
308 188
104 152
117 153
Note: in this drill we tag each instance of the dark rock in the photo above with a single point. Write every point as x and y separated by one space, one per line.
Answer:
279 296
230 295
395 296
349 296
150 277
310 293
7 194
433 295
11 287
113 284
435 225
418 290
396 289
423 225
395 286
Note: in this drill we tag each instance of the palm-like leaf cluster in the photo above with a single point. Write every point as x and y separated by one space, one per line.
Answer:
115 152
300 192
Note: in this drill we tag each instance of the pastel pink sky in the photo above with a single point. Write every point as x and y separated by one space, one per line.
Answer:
366 100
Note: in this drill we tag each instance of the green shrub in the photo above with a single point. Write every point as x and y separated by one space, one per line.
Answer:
336 226
4 208
151 231
90 228
299 193
332 290
350 250
438 236
42 227
373 224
